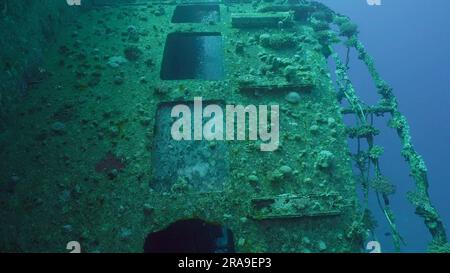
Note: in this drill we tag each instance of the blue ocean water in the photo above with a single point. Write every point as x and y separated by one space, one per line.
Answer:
410 42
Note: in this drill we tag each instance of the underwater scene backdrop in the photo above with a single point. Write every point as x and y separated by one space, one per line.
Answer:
115 114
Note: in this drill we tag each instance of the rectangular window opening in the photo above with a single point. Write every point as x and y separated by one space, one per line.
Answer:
196 13
187 165
195 55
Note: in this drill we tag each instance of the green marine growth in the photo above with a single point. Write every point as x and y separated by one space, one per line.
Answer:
387 104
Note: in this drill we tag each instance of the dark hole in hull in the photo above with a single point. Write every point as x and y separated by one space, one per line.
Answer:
193 56
190 236
196 14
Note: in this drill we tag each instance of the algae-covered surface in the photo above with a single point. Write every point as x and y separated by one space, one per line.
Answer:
85 160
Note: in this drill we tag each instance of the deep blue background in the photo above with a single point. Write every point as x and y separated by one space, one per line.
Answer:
410 42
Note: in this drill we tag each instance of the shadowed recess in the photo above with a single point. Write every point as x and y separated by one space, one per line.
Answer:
190 236
196 14
193 56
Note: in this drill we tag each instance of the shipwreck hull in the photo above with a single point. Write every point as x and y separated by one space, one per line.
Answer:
299 198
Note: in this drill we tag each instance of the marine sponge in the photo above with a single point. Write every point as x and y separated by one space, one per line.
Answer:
132 53
349 29
277 41
382 185
325 159
322 15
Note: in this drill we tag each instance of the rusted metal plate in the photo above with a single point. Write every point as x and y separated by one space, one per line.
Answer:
296 206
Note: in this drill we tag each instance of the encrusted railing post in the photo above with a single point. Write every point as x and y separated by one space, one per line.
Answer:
388 104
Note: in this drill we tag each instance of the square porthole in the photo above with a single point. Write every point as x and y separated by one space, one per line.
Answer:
200 13
186 165
196 55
